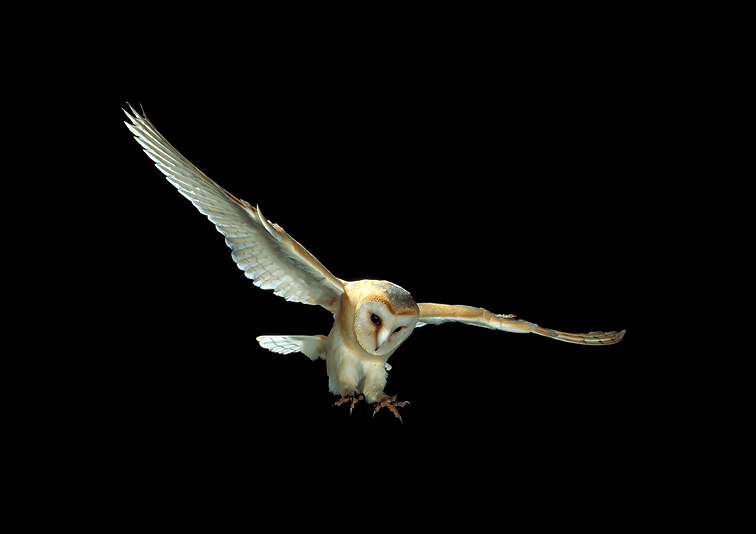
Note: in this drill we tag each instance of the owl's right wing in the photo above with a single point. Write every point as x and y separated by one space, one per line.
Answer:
263 250
443 313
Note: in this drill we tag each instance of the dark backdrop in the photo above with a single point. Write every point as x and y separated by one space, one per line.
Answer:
512 206
507 193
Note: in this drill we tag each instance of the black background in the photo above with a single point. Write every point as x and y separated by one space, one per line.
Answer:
502 181
519 163
509 201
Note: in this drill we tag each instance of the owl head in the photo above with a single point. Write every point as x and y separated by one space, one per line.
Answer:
385 316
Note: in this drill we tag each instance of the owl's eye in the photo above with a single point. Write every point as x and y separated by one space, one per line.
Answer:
395 331
375 319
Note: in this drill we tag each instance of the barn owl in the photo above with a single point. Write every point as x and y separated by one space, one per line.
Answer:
372 318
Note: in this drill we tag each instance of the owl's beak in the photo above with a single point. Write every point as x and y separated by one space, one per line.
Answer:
383 336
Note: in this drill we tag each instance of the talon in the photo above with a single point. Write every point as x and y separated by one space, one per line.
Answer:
392 404
350 398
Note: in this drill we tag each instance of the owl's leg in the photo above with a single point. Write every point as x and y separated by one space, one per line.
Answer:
343 378
375 381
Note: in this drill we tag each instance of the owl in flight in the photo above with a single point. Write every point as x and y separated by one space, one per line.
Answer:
371 317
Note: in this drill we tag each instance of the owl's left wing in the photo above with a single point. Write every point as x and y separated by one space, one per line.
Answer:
443 313
263 250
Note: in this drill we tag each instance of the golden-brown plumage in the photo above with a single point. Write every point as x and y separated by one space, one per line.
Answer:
442 313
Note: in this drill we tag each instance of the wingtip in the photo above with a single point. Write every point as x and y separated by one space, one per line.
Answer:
595 339
610 338
131 118
135 112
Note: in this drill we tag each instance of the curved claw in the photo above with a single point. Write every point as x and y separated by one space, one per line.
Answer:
392 404
351 398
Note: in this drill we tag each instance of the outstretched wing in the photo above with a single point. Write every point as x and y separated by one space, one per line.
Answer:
263 250
443 313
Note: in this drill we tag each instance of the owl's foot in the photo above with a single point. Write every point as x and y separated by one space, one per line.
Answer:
349 398
392 404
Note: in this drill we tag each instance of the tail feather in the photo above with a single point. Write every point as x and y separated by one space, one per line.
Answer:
591 338
311 346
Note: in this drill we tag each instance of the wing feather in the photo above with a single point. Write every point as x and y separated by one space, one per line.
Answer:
443 313
312 346
263 250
